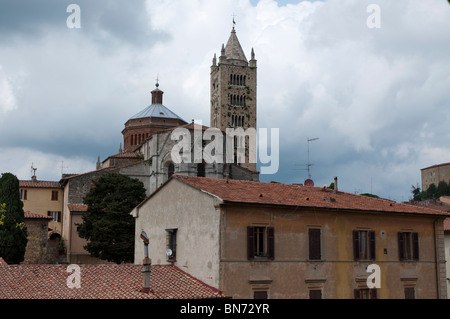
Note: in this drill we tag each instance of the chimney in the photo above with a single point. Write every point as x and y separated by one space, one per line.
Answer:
335 184
34 178
147 262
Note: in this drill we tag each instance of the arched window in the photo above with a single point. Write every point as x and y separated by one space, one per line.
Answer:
201 169
170 170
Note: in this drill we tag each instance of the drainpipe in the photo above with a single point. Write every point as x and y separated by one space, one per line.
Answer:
147 262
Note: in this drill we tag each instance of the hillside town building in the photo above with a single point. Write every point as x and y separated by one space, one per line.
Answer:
273 240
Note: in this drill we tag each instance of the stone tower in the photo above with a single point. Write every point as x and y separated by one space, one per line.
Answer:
233 90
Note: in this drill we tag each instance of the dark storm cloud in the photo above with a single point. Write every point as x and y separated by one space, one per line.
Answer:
108 22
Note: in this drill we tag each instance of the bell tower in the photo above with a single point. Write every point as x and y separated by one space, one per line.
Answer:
233 89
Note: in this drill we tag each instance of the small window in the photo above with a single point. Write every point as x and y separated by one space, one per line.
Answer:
56 216
260 243
364 244
54 195
170 170
315 294
201 170
23 194
365 293
171 244
410 293
259 294
408 245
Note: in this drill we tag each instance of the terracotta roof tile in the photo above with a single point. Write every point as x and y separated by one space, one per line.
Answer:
100 282
35 216
77 207
39 184
249 192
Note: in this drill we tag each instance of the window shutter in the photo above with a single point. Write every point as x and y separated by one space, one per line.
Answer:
59 217
314 244
260 295
49 214
250 242
373 293
409 293
315 294
415 242
401 251
356 244
270 243
356 294
372 245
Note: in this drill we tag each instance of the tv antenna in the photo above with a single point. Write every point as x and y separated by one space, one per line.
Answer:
309 164
62 167
33 170
309 182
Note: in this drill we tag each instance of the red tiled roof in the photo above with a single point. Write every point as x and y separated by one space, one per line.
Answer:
100 282
436 165
77 207
249 192
39 184
35 216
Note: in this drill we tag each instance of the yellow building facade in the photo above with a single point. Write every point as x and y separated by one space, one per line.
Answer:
44 198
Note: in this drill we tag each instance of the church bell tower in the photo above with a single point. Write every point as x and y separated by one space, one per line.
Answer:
233 89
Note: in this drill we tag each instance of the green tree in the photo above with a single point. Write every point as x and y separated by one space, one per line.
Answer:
431 191
415 190
13 232
442 189
107 224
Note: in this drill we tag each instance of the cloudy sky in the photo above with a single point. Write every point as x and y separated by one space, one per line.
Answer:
378 99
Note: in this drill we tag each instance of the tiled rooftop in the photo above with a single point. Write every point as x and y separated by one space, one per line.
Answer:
249 192
77 207
100 282
35 216
39 184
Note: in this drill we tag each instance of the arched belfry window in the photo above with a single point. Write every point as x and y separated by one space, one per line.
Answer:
201 169
170 170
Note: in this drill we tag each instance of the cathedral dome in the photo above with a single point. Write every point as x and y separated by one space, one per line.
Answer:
156 110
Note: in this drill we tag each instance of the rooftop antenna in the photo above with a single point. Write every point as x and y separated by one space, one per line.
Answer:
309 181
309 164
33 171
62 167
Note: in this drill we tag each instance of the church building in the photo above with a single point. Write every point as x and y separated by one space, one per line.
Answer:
147 142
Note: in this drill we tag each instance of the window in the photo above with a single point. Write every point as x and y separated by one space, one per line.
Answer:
56 216
365 293
314 244
408 245
172 244
410 293
201 170
259 294
54 195
170 170
23 194
315 294
364 244
260 242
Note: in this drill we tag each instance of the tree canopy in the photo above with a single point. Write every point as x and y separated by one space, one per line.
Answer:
432 192
107 224
13 232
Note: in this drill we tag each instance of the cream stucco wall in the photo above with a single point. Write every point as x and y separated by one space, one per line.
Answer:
196 219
